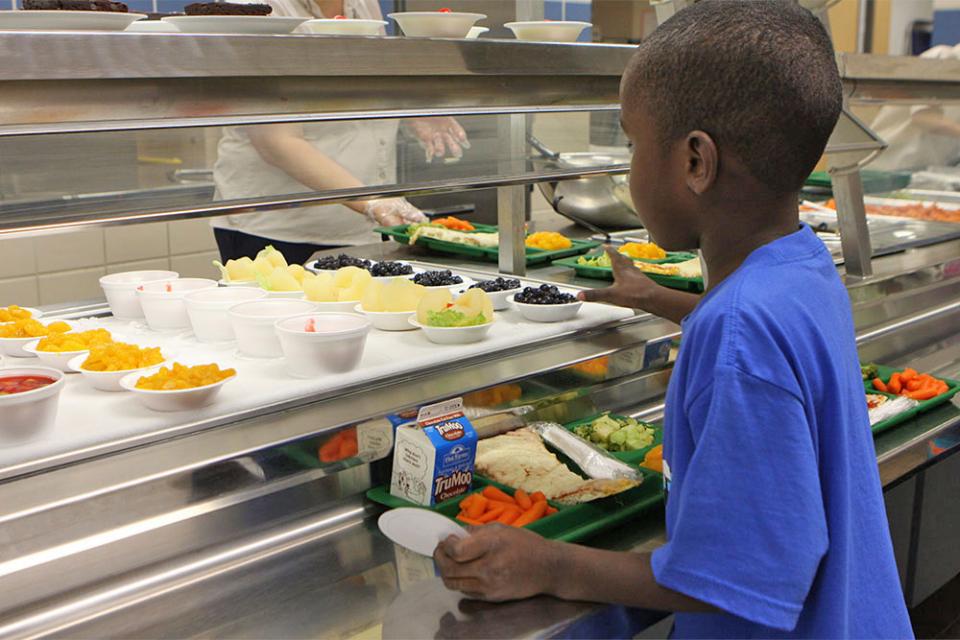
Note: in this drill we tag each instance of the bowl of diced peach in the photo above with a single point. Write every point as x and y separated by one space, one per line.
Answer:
178 387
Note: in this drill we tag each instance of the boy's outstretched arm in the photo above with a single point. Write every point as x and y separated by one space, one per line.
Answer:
634 290
498 563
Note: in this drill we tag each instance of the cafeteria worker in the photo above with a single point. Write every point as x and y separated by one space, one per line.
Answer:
287 158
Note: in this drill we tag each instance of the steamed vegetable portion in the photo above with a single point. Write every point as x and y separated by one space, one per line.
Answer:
494 505
909 383
617 434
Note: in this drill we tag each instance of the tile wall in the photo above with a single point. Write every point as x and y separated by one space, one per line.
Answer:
66 267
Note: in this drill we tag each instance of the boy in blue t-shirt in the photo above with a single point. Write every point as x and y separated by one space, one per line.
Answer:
775 517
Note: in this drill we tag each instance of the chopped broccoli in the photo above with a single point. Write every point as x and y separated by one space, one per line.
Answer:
869 371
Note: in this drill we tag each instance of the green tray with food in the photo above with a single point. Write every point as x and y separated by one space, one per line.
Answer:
568 523
679 270
925 392
626 438
482 241
517 467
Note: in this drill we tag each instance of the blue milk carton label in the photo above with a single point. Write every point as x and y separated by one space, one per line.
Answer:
433 457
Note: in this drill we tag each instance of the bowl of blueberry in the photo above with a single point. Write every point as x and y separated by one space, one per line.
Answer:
498 290
388 269
441 279
332 263
546 303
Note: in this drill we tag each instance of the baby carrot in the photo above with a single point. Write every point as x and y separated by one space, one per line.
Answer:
509 515
532 514
477 507
879 385
895 385
494 511
550 510
466 502
908 374
468 520
490 492
538 495
913 384
523 500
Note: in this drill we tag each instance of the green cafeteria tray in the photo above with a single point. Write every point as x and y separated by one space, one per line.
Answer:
884 373
630 457
694 285
873 181
570 523
534 256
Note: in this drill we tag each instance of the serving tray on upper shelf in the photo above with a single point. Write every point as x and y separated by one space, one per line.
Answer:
571 522
401 234
884 373
694 285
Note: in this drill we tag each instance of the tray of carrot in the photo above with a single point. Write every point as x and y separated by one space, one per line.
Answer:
489 502
929 391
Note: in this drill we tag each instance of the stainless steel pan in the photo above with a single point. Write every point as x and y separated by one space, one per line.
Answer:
596 202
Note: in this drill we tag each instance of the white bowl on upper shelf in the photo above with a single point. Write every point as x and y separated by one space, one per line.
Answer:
255 25
54 359
26 414
343 27
16 347
106 380
547 312
476 32
253 324
151 26
207 310
388 320
436 24
548 30
163 304
453 335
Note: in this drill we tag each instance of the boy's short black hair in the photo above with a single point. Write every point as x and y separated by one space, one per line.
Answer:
759 76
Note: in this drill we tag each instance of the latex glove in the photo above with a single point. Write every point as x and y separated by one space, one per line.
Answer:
440 137
391 212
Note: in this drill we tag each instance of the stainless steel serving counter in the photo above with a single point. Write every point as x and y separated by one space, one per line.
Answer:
217 534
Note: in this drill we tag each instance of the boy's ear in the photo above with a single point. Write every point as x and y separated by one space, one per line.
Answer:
703 161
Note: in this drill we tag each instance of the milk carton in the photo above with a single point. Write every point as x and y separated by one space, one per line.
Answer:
433 457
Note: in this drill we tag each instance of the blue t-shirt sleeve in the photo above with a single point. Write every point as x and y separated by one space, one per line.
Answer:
750 529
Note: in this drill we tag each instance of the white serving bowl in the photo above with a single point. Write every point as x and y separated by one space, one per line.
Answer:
476 32
163 304
500 299
453 335
207 310
36 314
454 288
253 324
548 30
388 320
105 380
121 291
547 312
263 25
335 346
237 283
347 306
28 414
16 347
343 27
284 295
152 26
59 360
436 24
175 400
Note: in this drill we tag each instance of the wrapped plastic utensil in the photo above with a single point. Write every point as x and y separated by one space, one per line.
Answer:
592 460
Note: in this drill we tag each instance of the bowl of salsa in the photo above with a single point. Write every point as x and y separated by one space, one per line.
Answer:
28 402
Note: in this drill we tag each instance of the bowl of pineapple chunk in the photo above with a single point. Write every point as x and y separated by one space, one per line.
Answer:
339 291
390 305
447 321
178 387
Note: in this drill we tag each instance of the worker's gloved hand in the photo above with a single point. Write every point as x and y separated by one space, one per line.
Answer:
440 137
391 212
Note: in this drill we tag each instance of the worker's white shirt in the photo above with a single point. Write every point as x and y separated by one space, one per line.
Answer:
911 146
367 149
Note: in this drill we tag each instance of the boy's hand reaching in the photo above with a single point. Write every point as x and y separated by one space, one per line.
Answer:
634 290
496 563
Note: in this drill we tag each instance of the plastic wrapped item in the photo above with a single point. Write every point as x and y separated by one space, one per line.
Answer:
592 460
891 408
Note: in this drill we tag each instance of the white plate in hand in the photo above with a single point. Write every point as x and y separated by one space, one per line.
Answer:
418 530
